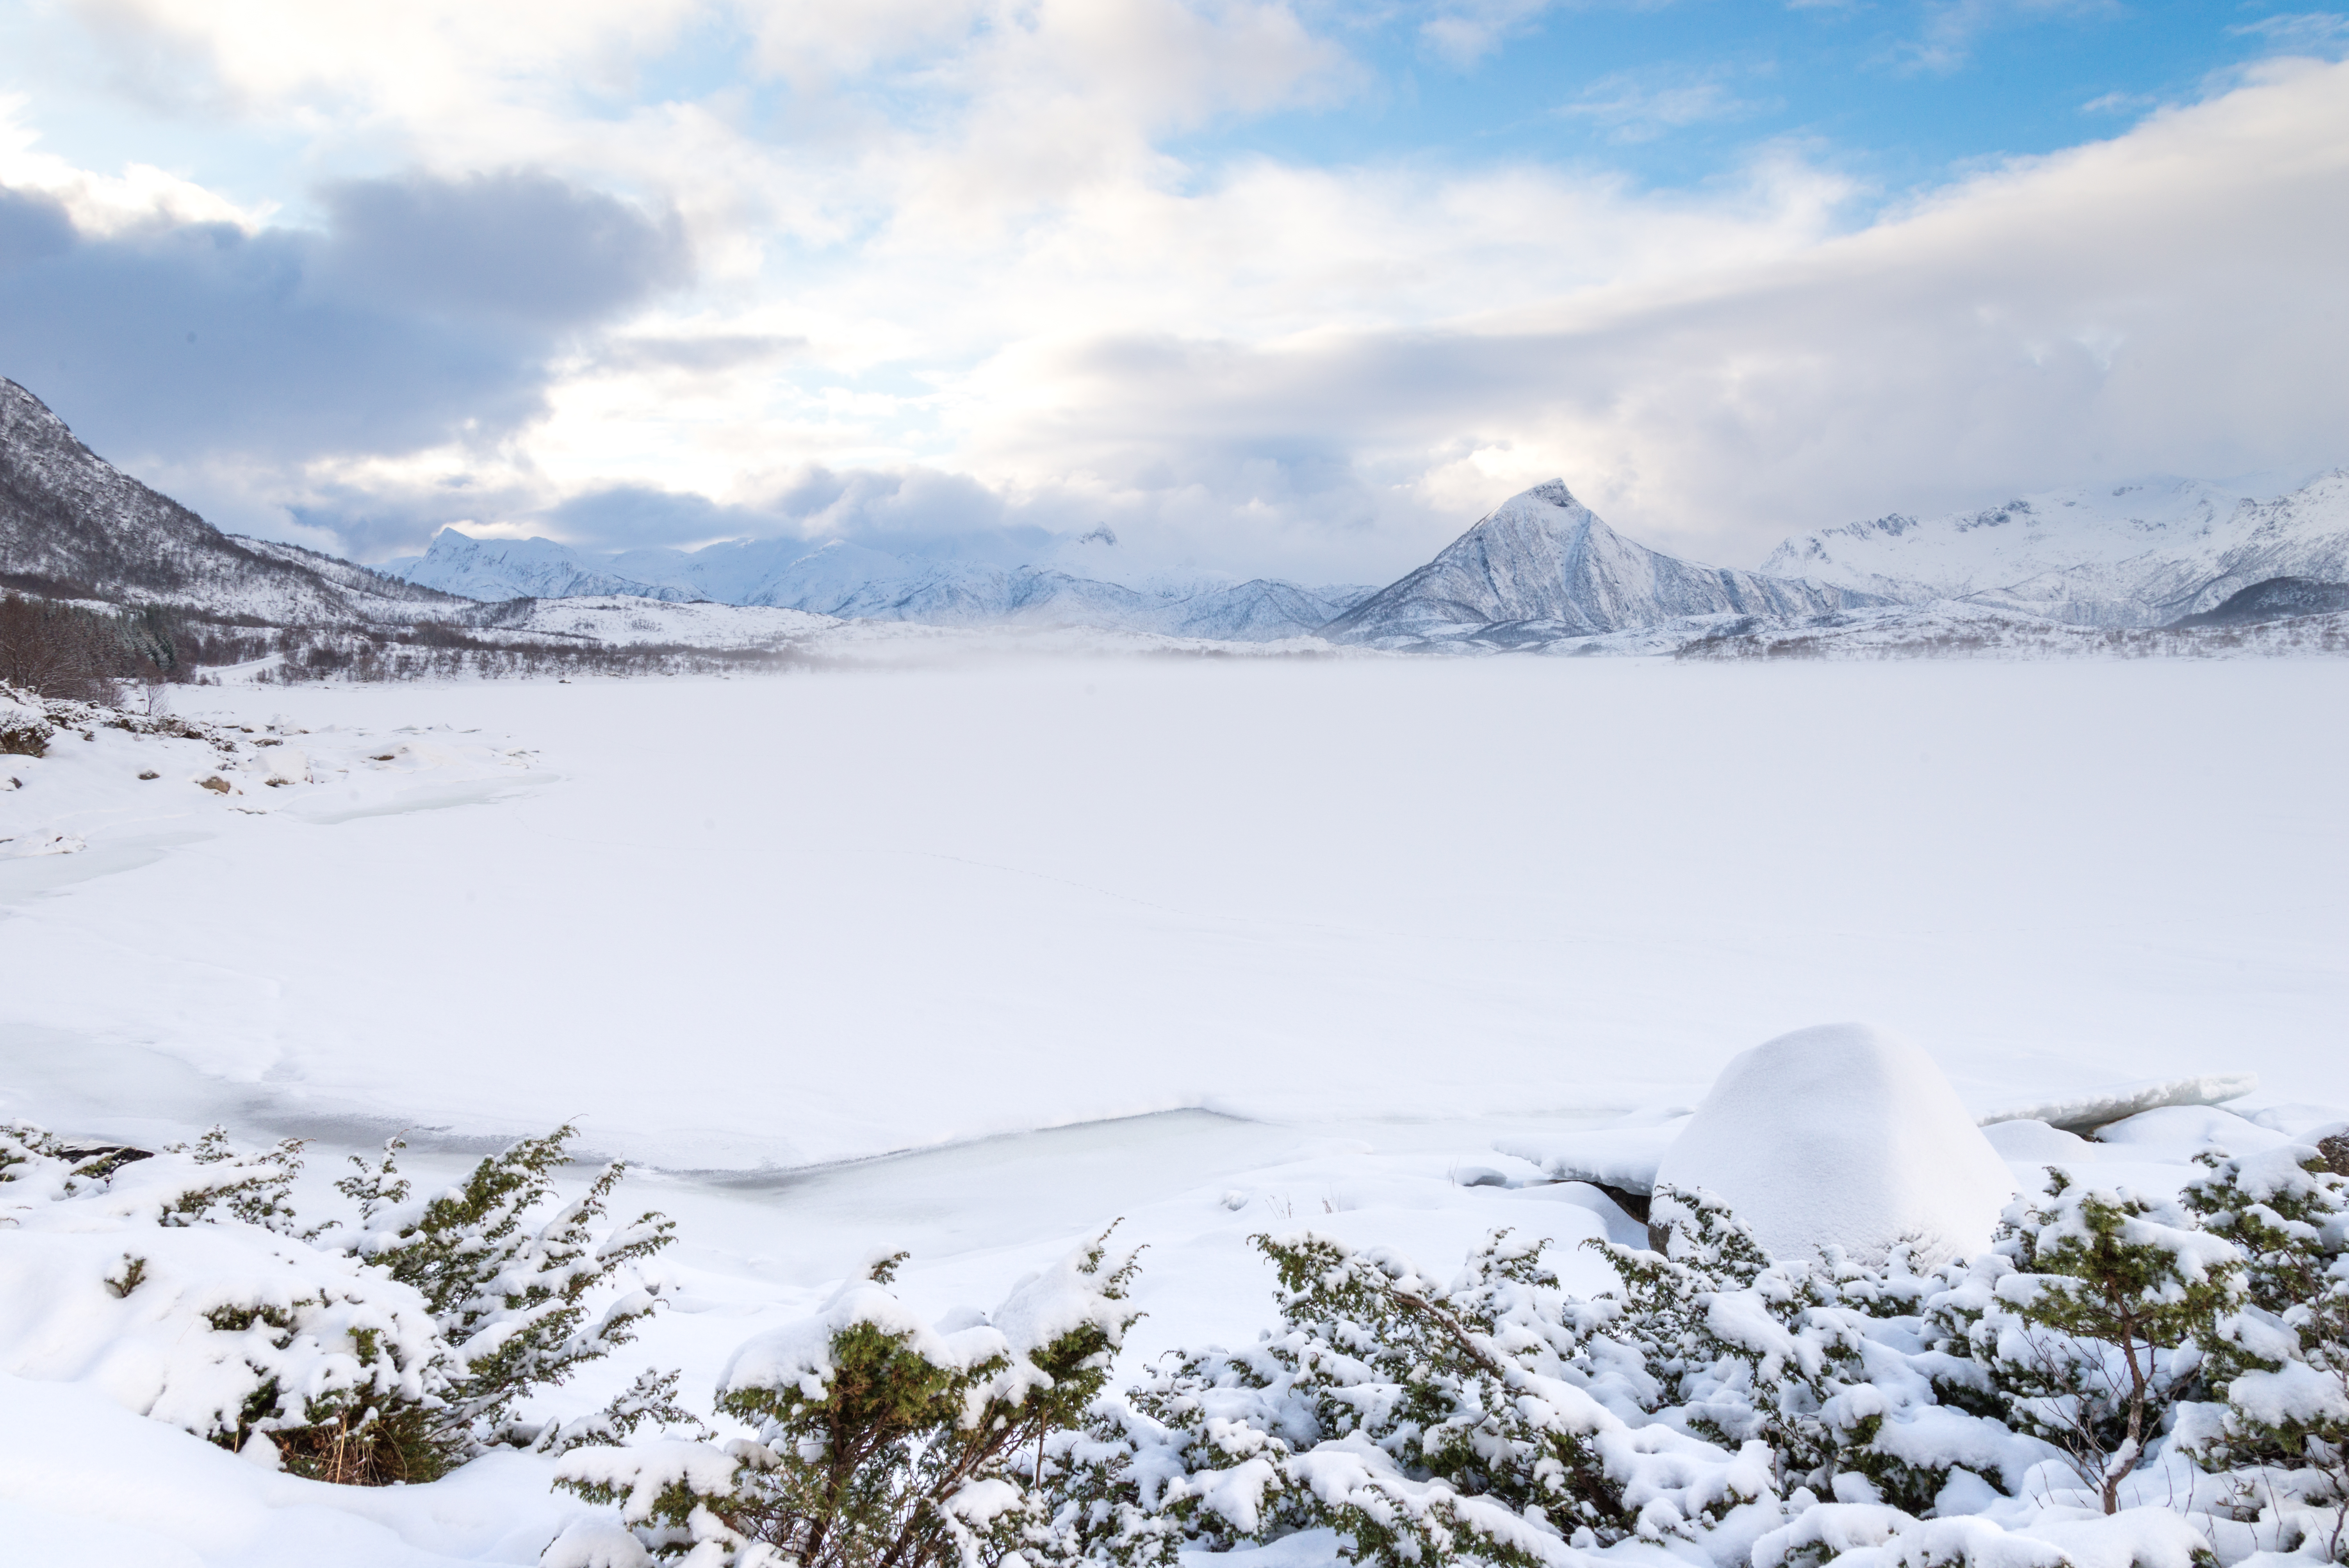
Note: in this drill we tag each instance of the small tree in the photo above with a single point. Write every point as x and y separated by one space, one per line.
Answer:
2097 1332
2280 1362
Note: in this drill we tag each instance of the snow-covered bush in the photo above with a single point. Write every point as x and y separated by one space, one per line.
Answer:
175 1282
507 1284
182 1284
881 1437
2021 1409
2277 1364
1422 1422
2099 1330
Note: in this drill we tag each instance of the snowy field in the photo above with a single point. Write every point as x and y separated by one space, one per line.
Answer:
970 960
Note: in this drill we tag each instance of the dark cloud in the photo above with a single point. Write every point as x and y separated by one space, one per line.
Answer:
515 247
626 516
33 227
427 311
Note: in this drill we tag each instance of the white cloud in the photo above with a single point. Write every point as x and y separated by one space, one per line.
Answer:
2321 34
1465 31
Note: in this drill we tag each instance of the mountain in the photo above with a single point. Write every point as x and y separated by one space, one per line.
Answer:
854 581
1545 568
522 569
2145 553
73 526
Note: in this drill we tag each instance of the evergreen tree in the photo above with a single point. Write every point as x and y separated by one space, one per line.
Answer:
2097 1332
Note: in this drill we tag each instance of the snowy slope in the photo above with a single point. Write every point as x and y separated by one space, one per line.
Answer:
1543 556
2138 554
73 524
851 581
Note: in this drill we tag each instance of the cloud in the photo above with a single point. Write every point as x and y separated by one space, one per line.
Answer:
515 246
2318 34
2094 312
1632 111
428 311
1465 31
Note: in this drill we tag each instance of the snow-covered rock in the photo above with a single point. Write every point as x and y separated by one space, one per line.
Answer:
1848 1136
1542 556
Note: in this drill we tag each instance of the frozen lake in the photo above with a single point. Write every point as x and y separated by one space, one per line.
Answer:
740 924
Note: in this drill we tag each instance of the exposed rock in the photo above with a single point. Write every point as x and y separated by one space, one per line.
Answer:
1843 1136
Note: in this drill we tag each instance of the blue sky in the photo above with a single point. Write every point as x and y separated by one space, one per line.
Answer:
1900 94
1292 287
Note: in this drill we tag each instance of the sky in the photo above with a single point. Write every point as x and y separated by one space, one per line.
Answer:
1297 288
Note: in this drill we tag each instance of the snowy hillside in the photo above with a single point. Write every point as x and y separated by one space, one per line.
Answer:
1544 557
854 582
74 525
2139 554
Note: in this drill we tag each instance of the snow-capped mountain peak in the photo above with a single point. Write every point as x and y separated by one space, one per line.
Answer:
1543 557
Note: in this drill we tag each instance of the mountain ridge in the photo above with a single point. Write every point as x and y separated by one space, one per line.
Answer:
851 581
2144 552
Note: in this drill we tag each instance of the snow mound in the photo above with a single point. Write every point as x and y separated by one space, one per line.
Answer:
1844 1135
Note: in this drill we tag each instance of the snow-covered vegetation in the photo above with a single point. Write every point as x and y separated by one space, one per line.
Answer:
2120 1377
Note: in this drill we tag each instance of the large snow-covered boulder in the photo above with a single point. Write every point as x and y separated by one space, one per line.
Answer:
1843 1135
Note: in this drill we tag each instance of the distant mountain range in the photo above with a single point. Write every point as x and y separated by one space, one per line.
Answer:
854 582
1541 571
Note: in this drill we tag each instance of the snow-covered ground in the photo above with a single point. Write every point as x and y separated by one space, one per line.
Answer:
1214 946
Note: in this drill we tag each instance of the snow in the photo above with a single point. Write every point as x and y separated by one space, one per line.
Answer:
2078 1112
971 958
74 1472
1843 1135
